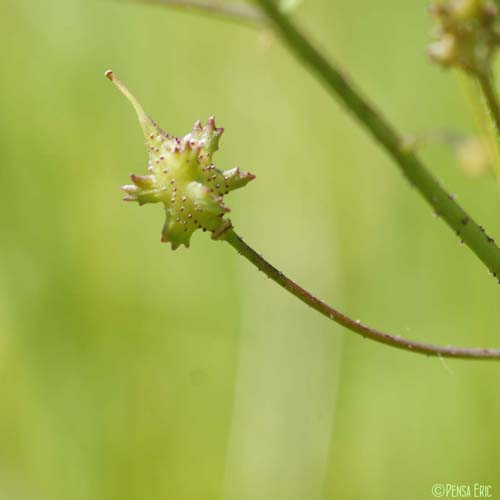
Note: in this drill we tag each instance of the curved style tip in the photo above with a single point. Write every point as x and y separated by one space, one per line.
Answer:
148 126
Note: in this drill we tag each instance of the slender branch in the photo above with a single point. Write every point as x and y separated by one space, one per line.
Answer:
412 168
490 95
356 326
233 12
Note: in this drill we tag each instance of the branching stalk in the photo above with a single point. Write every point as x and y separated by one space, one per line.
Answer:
443 204
177 177
354 325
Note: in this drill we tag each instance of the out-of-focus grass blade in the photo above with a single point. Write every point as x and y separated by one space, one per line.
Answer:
483 123
237 12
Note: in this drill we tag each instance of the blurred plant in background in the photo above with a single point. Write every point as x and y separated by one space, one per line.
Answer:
467 37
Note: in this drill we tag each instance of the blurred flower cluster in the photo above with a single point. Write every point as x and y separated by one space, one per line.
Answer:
467 34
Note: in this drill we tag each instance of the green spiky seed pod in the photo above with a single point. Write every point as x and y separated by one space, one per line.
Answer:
182 176
467 35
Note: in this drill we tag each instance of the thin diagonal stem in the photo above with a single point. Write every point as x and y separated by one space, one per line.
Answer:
355 326
471 233
486 83
233 12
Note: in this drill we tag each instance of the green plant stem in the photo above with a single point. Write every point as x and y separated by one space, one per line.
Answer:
412 168
490 95
354 325
234 12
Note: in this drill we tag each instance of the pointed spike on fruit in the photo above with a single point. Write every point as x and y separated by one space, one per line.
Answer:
148 125
197 125
143 181
241 174
235 178
129 188
210 123
174 232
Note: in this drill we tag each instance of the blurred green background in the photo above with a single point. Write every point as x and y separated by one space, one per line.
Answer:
130 371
